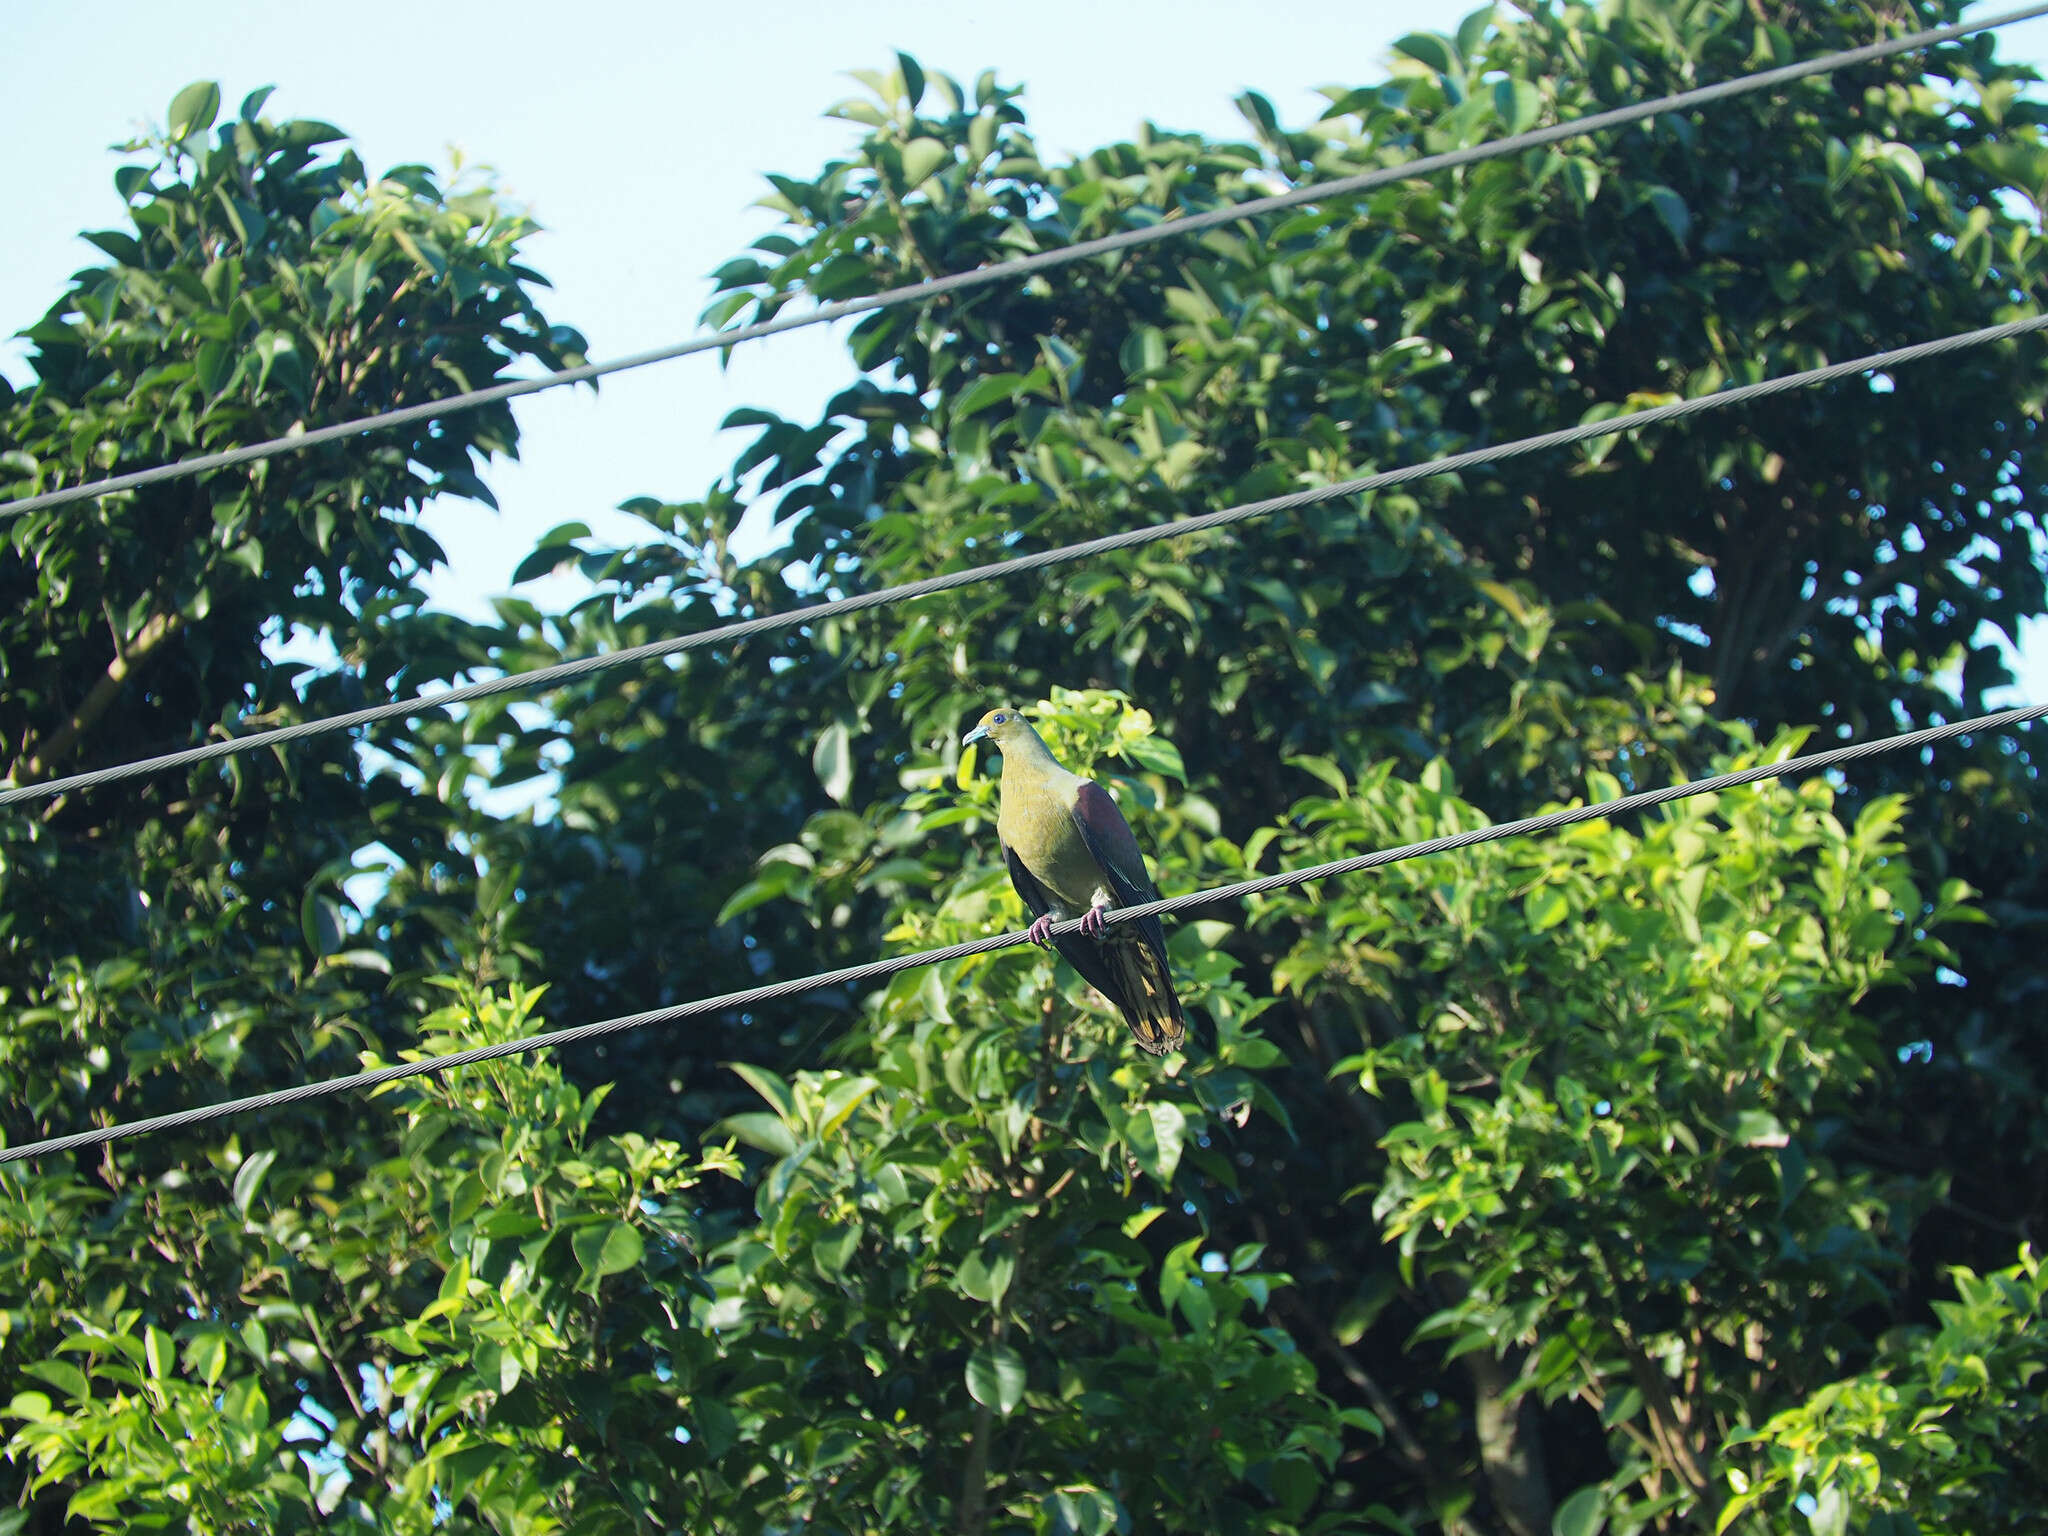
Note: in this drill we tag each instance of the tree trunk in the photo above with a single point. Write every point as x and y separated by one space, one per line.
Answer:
1510 1447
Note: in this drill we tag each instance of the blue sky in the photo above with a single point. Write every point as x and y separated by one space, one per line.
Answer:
638 134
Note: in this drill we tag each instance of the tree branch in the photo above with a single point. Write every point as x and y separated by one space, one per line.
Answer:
1389 1411
974 1477
38 761
1669 1421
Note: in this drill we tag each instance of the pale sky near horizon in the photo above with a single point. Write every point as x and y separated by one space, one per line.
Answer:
638 134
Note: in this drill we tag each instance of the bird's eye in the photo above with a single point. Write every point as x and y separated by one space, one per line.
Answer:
1002 719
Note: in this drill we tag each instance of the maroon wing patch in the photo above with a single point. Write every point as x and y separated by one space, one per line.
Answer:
1110 843
1144 983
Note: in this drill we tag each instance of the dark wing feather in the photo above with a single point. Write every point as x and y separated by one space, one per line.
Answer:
1034 894
1116 854
1144 991
1109 841
1084 955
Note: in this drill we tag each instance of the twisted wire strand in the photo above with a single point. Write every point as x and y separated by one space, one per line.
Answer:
876 969
912 293
562 672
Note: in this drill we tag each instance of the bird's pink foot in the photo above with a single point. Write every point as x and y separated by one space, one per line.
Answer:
1040 932
1092 923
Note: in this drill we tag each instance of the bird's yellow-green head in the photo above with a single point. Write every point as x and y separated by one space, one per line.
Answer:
1000 727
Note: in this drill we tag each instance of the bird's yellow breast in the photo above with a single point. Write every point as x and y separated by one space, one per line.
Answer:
1036 822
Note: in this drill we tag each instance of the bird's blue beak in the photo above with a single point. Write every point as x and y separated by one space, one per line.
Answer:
979 733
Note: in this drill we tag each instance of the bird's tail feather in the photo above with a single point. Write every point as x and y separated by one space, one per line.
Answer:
1145 996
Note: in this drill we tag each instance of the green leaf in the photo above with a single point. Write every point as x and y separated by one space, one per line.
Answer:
1830 1515
305 132
842 1098
125 249
921 159
831 1254
1322 768
1063 361
1583 1514
832 759
995 1378
1144 351
1255 1053
497 1366
1517 103
1508 598
606 1249
987 1279
1436 52
157 1352
1621 1408
1732 1511
63 1375
770 1086
1582 178
214 365
985 392
1295 1483
249 1177
193 109
244 1403
1258 111
320 920
1758 1128
1157 1133
207 1355
761 1131
743 271
1545 907
913 78
1138 1222
360 959
566 533
1472 31
1671 209
1904 159
1181 1285
546 560
754 893
1087 1511
1156 755
350 282
100 1502
29 1405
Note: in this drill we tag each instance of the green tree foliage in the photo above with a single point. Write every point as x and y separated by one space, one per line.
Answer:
443 1326
1944 1433
980 1239
187 935
1556 1186
260 285
1621 1181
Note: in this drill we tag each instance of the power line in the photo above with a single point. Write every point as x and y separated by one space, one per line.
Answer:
876 969
973 575
911 293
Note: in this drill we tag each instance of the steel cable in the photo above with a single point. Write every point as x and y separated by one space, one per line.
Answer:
876 969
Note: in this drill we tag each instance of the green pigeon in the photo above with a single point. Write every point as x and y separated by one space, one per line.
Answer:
1071 854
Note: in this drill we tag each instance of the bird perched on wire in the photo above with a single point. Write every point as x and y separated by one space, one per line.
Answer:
1071 854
